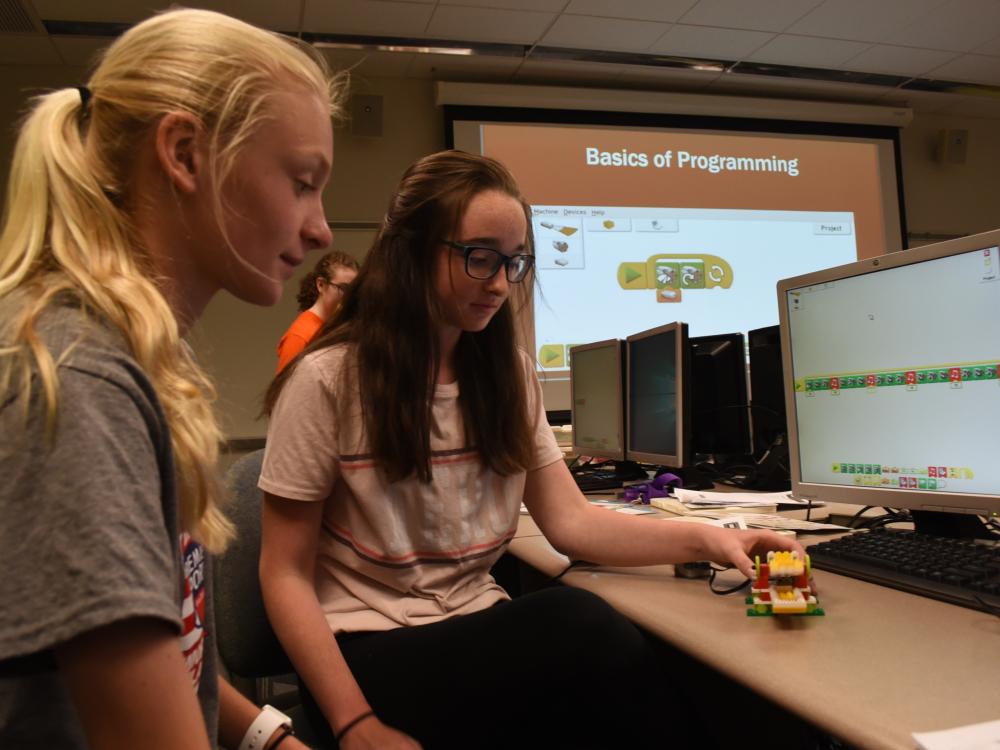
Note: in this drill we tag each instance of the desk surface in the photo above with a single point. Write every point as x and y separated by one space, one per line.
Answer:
881 665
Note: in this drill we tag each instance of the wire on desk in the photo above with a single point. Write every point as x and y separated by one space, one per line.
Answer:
724 592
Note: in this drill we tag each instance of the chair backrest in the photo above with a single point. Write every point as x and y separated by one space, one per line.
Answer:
247 644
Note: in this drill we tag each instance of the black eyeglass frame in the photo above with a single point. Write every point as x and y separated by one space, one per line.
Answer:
341 286
502 260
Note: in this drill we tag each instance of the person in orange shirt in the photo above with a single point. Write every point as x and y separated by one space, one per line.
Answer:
319 296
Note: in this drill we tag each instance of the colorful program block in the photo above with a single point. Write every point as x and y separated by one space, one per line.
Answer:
552 355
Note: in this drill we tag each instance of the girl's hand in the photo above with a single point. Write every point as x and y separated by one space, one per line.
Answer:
372 734
737 547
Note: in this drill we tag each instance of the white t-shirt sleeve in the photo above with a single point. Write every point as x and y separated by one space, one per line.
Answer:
301 460
546 449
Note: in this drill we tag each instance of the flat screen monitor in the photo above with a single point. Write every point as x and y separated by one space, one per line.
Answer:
658 396
720 425
767 390
598 399
891 380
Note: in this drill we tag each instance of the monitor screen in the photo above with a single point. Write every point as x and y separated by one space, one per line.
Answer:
720 425
658 397
598 399
767 393
891 378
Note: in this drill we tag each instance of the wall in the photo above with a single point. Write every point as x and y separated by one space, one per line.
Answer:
236 342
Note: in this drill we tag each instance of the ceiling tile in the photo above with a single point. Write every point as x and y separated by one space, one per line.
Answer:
900 61
640 10
590 32
959 25
550 6
808 51
969 69
366 17
559 72
991 47
283 16
28 49
488 24
862 20
80 50
369 63
486 69
794 88
759 15
709 42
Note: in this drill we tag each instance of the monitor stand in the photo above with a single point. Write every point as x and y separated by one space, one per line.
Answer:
954 525
693 478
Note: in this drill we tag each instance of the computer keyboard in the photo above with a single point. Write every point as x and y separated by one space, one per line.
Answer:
951 570
595 481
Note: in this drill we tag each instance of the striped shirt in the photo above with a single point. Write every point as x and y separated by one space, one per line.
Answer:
400 553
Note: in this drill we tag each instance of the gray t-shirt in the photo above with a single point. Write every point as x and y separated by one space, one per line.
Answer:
89 531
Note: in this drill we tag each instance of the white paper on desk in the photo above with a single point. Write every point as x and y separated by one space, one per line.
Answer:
743 499
985 736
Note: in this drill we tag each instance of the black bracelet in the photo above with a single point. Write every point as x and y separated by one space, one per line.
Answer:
284 736
351 724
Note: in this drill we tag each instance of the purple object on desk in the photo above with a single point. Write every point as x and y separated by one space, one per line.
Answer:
658 487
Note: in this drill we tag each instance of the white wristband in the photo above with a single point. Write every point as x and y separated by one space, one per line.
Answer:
267 721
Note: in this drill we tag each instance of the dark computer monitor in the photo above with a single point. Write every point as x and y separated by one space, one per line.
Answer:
720 425
658 397
891 382
598 399
767 388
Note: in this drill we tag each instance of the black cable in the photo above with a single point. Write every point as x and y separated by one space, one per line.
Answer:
724 592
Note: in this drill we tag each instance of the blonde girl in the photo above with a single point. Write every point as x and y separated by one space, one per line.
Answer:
192 161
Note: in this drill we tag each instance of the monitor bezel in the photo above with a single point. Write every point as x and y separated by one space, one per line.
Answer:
588 450
951 502
682 457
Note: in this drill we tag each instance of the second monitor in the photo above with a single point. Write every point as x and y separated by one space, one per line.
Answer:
659 400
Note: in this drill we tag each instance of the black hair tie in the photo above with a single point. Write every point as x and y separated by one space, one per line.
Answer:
85 96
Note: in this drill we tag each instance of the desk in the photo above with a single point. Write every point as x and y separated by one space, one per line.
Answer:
881 665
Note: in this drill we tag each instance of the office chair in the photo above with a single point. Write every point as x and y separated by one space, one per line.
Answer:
247 645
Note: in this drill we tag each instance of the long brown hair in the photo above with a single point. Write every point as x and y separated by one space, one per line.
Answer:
391 317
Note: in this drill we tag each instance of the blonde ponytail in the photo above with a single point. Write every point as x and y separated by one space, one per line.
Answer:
67 231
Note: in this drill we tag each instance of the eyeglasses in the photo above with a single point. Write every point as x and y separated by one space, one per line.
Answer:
484 262
341 287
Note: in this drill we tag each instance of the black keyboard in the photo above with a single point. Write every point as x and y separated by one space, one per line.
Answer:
952 570
595 481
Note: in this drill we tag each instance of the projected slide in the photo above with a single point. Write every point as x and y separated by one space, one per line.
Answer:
637 227
606 272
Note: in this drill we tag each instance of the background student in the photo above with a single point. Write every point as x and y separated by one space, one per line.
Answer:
399 450
320 294
193 161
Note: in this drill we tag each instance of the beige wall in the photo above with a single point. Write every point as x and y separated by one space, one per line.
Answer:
237 341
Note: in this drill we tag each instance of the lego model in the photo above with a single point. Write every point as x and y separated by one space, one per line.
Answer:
783 586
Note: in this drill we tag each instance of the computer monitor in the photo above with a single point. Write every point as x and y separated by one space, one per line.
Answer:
658 396
891 382
720 425
598 399
767 389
